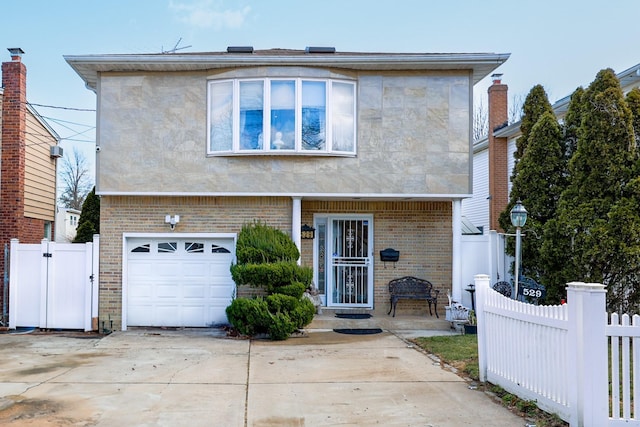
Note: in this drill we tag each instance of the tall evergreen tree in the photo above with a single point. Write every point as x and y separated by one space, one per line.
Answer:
572 121
539 182
582 240
535 106
89 222
633 101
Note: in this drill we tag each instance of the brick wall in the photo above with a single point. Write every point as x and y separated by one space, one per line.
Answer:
120 215
13 224
498 161
421 231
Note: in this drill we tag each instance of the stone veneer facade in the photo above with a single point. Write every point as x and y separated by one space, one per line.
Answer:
413 138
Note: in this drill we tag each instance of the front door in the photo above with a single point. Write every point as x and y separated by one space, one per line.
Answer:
348 271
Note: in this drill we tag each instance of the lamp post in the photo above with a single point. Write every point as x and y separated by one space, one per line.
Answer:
518 219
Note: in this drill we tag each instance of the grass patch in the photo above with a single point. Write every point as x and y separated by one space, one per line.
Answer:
461 352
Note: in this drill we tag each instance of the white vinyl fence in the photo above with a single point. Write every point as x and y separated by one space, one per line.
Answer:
53 285
559 355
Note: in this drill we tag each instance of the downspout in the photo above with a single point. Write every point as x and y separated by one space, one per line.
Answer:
296 224
456 251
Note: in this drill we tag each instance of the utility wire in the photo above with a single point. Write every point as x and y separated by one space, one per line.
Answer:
53 119
62 108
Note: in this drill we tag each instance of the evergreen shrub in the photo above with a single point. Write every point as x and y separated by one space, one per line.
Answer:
267 260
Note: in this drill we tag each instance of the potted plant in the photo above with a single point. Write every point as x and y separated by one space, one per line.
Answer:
471 327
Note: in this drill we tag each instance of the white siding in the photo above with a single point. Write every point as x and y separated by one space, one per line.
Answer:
511 161
476 209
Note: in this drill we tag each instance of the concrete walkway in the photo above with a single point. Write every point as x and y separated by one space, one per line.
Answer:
198 378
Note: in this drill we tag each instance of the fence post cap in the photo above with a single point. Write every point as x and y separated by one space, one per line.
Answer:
581 286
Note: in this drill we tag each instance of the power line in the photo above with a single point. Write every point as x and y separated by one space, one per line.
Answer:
62 108
68 122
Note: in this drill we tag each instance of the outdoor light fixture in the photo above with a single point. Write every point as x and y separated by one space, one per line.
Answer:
518 215
172 221
518 219
307 232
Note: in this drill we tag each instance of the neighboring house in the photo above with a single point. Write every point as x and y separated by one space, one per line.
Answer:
28 166
493 163
66 224
371 150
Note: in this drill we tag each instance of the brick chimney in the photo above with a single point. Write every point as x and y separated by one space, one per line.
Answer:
14 113
12 166
498 160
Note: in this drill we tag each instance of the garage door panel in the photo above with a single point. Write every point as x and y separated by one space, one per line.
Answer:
166 313
220 262
220 292
141 291
168 291
166 268
140 268
196 313
140 314
181 287
195 269
194 291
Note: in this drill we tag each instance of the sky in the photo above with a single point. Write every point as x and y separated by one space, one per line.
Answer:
559 44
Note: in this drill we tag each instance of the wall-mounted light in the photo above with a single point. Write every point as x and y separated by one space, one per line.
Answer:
307 232
172 221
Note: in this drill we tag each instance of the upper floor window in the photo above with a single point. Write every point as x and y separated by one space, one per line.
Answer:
282 116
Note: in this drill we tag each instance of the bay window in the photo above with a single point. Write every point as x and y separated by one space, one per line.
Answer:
281 116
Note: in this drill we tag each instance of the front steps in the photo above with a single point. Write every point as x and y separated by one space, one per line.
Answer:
328 320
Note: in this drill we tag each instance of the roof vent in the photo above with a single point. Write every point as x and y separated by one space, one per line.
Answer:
240 49
320 49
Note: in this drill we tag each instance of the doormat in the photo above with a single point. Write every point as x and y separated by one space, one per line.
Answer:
368 331
353 315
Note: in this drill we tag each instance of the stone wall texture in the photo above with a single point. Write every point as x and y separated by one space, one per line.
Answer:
413 137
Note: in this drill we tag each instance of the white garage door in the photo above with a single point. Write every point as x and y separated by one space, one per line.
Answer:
181 282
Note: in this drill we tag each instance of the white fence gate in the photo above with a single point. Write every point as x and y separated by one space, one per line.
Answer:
483 254
53 285
563 357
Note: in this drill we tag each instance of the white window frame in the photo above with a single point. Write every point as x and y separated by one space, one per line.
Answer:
266 147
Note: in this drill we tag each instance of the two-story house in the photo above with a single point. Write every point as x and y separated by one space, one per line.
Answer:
29 148
349 153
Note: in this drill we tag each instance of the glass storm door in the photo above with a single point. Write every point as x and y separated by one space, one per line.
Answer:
350 267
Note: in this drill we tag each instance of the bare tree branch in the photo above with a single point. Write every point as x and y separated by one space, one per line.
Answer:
76 181
480 121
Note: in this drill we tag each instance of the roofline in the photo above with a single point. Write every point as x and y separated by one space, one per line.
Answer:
413 197
40 119
88 66
43 122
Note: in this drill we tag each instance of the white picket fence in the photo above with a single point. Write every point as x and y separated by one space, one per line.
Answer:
559 355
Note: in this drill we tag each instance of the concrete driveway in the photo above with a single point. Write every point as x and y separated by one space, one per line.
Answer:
199 378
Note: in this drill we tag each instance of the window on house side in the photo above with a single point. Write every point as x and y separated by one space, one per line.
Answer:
281 116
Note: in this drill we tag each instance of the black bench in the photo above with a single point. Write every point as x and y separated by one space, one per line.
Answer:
409 287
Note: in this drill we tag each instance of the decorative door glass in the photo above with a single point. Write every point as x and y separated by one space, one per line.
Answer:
350 263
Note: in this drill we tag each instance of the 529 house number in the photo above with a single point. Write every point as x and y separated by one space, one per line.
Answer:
533 293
